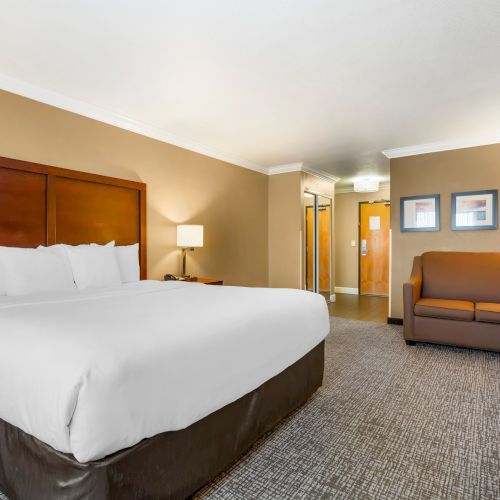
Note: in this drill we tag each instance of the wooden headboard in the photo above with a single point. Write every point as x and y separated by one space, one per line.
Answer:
44 205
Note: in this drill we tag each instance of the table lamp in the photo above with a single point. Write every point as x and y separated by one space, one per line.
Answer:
189 237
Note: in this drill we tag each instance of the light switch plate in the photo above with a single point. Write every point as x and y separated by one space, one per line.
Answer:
353 243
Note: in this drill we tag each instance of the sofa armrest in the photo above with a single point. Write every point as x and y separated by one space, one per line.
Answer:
412 290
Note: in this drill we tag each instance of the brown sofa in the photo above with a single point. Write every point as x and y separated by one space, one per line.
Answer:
454 298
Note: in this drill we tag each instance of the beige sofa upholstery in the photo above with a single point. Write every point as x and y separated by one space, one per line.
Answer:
454 298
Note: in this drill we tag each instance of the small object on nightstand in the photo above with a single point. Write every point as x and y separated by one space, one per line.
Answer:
173 277
193 279
207 281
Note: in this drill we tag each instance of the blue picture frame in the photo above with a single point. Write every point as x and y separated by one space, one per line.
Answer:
476 213
437 213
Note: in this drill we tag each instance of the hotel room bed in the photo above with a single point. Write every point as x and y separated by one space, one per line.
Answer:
91 373
136 390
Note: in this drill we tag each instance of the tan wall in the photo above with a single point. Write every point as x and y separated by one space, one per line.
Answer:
317 185
183 187
346 215
442 173
287 225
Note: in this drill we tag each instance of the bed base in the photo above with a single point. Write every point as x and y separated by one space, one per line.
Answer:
171 465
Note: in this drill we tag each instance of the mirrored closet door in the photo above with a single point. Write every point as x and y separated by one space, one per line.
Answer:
318 244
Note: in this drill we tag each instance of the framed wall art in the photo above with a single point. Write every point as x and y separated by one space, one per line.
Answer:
474 210
420 213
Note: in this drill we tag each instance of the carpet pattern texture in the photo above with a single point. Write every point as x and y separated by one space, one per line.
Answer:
390 422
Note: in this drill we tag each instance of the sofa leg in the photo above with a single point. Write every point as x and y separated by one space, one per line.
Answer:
410 342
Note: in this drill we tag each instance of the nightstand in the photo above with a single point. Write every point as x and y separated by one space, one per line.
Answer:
194 279
207 281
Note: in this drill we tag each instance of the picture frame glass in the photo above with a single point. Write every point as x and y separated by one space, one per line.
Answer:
474 210
420 213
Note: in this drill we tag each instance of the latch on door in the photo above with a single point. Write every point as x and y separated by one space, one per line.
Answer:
363 247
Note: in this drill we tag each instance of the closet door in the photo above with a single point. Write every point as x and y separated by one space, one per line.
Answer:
318 244
310 240
324 224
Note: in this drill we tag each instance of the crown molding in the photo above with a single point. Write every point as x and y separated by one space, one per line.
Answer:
344 189
435 147
327 176
350 189
300 167
109 117
284 169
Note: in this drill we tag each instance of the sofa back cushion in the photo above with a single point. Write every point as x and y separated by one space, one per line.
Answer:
473 276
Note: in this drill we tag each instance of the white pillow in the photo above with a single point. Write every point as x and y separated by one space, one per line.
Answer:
128 262
94 266
29 270
59 249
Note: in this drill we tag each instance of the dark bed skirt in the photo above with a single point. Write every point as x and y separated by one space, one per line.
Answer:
171 465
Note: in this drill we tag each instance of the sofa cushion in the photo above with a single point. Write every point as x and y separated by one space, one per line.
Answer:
445 309
471 276
488 312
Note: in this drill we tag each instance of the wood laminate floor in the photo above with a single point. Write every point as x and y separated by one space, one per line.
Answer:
361 307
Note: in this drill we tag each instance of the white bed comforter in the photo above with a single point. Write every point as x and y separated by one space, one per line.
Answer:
91 373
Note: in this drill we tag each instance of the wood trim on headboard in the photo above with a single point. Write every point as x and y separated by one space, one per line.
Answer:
23 224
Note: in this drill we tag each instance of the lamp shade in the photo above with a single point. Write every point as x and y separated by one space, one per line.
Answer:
189 236
366 185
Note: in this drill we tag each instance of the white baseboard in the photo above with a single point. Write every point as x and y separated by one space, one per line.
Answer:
345 289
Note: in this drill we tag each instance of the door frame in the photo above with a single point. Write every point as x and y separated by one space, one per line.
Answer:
386 202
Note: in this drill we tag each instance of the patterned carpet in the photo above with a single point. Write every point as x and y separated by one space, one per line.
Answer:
390 422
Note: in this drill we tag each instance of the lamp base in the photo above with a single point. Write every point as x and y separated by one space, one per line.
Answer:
184 250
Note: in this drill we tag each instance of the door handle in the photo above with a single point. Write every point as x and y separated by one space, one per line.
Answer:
363 248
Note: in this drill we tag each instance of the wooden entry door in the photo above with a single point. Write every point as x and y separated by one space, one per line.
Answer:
374 221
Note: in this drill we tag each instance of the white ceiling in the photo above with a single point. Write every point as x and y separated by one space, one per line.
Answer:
267 82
